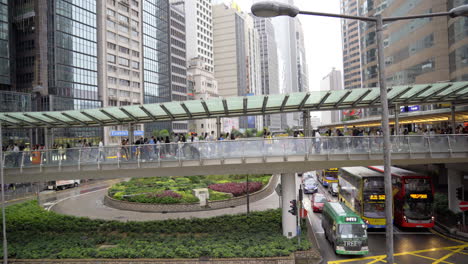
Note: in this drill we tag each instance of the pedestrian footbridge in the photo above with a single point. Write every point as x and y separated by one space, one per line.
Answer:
277 155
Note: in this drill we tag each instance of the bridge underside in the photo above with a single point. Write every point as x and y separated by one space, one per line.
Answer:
248 165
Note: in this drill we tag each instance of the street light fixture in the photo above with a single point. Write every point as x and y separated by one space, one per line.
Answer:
273 9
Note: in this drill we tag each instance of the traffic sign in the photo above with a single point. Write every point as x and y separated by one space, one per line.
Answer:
463 205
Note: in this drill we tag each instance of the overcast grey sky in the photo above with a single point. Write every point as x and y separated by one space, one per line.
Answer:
322 37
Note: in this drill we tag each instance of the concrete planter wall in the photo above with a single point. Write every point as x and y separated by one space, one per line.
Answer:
190 207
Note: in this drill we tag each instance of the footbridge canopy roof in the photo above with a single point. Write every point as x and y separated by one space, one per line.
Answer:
453 92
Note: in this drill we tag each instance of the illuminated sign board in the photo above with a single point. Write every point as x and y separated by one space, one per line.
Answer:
351 219
410 108
377 197
418 196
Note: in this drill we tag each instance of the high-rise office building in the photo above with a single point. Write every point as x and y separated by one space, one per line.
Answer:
351 45
237 59
5 69
331 82
120 54
416 51
156 56
56 58
178 60
269 66
292 63
205 87
199 24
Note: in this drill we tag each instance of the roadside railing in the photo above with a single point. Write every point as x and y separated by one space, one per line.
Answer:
227 149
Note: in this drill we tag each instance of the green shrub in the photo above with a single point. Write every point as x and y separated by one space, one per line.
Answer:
33 234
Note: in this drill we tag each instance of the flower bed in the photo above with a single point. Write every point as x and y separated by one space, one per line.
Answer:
170 190
34 233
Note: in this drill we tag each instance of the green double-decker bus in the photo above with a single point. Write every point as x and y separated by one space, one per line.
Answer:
344 229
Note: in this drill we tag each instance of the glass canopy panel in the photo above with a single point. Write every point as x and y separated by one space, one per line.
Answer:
374 94
463 93
76 114
355 94
396 90
115 111
295 99
255 102
235 104
135 111
97 114
39 115
335 96
414 90
275 100
4 118
194 106
215 105
175 108
19 116
453 88
156 110
434 88
59 116
314 98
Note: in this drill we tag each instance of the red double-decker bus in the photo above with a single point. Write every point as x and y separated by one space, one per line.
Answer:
413 196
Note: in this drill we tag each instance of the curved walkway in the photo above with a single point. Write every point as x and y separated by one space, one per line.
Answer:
91 205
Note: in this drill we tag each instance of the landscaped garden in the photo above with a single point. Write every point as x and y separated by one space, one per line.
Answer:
34 233
169 190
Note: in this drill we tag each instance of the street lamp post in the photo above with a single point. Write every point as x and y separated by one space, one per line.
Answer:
273 9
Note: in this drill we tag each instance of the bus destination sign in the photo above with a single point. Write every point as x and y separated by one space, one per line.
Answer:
377 197
418 196
351 219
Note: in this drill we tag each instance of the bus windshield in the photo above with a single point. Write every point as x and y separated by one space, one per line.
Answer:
418 185
374 210
352 230
418 209
373 184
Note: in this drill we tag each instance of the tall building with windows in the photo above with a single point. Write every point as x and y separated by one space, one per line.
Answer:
292 63
5 69
178 60
416 51
120 52
458 44
237 56
199 24
156 56
268 66
350 30
331 82
56 58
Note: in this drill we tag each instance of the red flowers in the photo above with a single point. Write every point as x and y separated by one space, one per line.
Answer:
236 188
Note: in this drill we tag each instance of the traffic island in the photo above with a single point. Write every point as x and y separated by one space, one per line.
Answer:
192 207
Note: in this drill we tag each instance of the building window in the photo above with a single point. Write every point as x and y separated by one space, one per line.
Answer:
111 80
124 50
123 7
124 82
110 58
124 62
135 65
134 13
111 46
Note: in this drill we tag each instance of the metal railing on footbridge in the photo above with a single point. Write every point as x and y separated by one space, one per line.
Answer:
231 149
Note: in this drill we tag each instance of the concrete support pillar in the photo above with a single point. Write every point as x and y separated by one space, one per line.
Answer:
455 180
306 125
453 121
131 137
288 193
218 126
397 120
47 138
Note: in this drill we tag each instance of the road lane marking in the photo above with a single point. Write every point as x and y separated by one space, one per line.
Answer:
421 256
453 249
376 260
449 255
446 237
464 253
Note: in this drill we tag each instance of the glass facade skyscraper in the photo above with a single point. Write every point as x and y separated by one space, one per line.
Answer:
4 45
74 85
156 56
